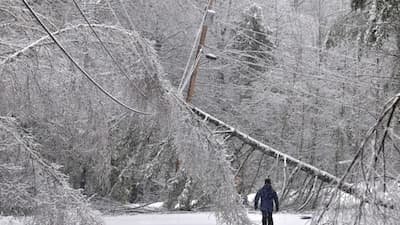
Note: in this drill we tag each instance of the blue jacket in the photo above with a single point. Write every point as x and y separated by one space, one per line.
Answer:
268 197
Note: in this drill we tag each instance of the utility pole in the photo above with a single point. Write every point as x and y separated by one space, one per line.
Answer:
200 46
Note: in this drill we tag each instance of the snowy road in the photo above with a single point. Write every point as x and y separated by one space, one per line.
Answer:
195 219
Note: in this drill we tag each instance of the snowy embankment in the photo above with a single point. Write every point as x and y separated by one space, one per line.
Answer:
196 219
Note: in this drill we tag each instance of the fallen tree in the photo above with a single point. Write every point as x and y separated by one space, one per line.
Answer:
323 176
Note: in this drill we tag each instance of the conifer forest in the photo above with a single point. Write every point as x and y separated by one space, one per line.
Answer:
181 112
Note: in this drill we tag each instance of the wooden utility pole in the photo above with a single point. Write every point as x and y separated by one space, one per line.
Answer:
202 41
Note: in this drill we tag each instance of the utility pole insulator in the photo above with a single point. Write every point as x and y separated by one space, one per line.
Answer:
211 56
210 17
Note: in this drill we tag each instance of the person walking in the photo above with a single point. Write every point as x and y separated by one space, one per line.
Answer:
268 198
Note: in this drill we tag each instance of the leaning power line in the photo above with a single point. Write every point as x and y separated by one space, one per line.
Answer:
106 49
87 75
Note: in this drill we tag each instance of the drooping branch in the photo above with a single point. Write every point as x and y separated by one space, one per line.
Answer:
285 190
83 71
310 194
371 148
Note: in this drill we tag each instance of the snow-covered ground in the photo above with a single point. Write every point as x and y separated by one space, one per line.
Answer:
196 219
203 218
9 220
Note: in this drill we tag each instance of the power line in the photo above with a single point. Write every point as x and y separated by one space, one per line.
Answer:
324 70
230 26
300 91
129 36
88 76
106 49
274 69
287 69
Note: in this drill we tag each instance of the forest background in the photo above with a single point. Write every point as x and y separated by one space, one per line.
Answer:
306 77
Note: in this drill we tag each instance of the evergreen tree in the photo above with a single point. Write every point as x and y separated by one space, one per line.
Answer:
252 39
383 29
383 17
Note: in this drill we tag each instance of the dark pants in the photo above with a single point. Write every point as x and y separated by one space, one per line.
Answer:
267 218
